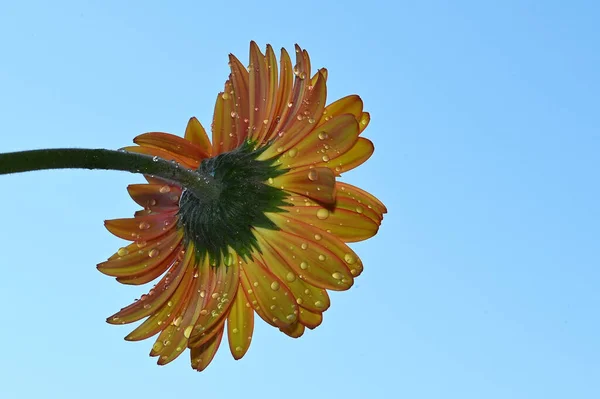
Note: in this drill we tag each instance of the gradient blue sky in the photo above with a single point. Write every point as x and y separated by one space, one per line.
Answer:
483 281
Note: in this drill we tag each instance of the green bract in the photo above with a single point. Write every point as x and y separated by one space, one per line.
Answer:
214 225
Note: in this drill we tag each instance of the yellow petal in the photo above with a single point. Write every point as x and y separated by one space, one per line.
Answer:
310 319
295 330
312 261
202 356
284 97
332 139
156 197
317 237
240 325
240 80
269 120
347 105
272 296
317 184
306 295
355 156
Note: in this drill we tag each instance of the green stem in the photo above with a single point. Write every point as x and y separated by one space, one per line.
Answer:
201 184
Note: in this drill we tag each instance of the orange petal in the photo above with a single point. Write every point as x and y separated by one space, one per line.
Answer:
202 356
312 261
240 325
310 319
317 184
301 122
143 227
240 80
166 155
258 89
319 237
350 220
171 143
167 313
295 330
271 295
156 197
307 296
157 253
271 105
348 105
284 96
363 197
355 156
224 126
195 133
148 303
331 140
217 290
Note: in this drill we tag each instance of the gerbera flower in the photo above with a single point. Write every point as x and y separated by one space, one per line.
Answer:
270 238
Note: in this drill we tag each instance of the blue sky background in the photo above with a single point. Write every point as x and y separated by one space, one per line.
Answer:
483 281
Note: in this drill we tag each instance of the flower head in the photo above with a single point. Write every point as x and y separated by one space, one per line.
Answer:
271 237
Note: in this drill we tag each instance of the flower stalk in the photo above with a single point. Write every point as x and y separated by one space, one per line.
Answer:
202 184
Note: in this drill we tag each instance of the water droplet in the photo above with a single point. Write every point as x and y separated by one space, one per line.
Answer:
141 244
122 251
291 277
273 307
265 121
170 303
225 96
299 301
293 152
178 321
235 331
155 158
238 349
233 114
291 317
322 214
303 265
325 158
349 258
313 175
144 226
337 275
321 257
255 284
280 149
359 209
318 237
274 285
188 330
153 253
323 135
202 294
290 105
319 304
304 245
147 306
164 189
311 120
215 295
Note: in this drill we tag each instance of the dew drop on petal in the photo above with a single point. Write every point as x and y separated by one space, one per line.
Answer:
349 259
291 317
311 120
325 158
274 285
157 347
238 349
164 189
177 321
153 253
337 275
321 257
304 245
144 226
303 265
235 331
359 209
293 152
188 331
322 214
122 251
318 237
319 304
313 175
299 301
323 135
